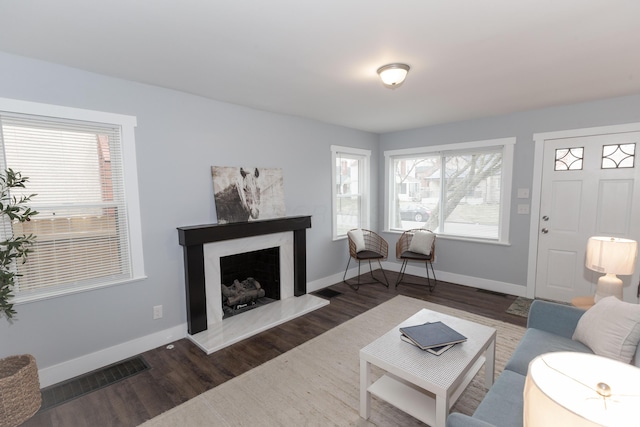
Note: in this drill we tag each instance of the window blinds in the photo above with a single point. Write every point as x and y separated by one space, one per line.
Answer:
76 171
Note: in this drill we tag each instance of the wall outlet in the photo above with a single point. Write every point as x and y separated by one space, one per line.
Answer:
157 312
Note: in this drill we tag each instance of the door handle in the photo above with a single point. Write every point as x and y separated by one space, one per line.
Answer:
545 231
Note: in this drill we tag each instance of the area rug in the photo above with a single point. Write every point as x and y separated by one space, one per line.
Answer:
520 307
317 383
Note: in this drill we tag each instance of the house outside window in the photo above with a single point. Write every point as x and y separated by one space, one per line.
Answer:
457 190
88 226
350 189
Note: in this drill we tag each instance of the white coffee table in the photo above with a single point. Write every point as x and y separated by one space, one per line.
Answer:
419 383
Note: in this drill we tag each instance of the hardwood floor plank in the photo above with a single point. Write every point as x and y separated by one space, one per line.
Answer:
181 373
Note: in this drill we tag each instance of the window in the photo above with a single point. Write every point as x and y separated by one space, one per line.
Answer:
458 190
350 189
88 226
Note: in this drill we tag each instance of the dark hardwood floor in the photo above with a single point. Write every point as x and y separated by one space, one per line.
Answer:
183 372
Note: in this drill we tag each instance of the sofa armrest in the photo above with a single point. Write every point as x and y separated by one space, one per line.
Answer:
456 419
555 318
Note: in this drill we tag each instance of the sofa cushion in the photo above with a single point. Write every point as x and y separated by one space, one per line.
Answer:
611 328
536 342
503 404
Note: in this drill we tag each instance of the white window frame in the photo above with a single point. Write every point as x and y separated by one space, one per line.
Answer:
127 126
507 145
364 171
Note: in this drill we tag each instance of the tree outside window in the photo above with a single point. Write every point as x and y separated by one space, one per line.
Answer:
455 192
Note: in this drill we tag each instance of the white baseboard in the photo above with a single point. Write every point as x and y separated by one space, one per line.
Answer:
475 282
459 279
322 283
486 284
90 362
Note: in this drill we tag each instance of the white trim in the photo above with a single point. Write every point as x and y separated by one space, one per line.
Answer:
127 126
365 175
350 150
486 284
460 279
431 149
536 189
44 295
505 192
90 362
508 148
598 130
49 110
71 368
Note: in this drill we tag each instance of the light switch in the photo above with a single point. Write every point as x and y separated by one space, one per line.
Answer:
523 193
523 209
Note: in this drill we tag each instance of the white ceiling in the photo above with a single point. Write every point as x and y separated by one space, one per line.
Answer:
318 59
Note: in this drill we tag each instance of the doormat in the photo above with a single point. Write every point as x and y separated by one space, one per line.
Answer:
520 307
328 293
65 391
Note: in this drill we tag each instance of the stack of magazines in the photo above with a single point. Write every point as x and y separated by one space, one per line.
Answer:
434 337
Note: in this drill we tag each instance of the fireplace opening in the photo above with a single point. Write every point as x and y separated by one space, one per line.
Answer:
249 280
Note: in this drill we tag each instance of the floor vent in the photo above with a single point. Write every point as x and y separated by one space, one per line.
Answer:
328 293
491 292
65 391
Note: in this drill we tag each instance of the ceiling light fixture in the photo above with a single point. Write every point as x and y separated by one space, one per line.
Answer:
393 74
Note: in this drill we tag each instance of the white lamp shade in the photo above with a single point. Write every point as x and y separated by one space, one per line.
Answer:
393 74
611 255
561 389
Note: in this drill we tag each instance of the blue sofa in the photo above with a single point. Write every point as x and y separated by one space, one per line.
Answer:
550 327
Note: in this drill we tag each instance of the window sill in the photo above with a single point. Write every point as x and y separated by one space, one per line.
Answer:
460 238
44 295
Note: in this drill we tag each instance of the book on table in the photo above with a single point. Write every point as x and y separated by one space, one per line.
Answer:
432 334
433 350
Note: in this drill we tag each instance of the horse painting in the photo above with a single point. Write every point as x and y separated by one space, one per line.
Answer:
240 198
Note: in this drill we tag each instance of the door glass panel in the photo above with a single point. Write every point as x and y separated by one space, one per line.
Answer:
569 159
618 156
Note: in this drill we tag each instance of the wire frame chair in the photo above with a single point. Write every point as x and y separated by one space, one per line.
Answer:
376 249
405 255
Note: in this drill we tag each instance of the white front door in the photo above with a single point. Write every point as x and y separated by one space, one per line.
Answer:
590 187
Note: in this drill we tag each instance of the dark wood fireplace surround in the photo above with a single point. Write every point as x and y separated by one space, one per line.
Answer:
193 238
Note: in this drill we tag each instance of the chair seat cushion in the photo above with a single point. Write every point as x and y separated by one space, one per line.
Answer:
415 256
369 255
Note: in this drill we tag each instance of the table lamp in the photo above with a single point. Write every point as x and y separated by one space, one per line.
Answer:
580 389
610 255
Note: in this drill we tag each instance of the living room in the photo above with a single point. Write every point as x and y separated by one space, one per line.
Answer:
180 134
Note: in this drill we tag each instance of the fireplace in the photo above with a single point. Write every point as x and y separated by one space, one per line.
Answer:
204 247
249 280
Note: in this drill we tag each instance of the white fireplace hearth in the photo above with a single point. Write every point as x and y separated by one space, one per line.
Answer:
203 248
229 331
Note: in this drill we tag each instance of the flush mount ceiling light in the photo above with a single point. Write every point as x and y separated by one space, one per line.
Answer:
393 74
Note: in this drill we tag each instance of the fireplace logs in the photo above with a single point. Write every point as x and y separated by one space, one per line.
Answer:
241 294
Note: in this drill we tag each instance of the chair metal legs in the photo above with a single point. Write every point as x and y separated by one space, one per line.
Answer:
356 286
430 284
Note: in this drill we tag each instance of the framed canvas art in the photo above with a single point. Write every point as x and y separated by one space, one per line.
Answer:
247 193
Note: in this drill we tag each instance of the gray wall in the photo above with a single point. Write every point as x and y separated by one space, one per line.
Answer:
506 264
178 138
